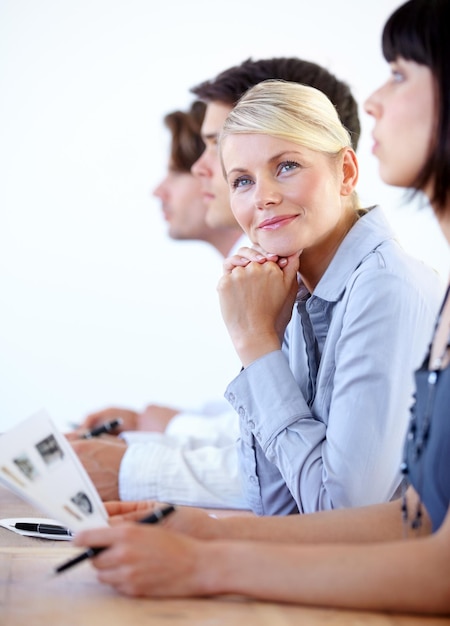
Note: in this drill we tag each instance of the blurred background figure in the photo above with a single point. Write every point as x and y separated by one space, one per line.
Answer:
181 200
167 435
184 210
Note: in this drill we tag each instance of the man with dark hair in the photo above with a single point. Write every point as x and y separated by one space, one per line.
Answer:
184 211
228 86
169 431
179 192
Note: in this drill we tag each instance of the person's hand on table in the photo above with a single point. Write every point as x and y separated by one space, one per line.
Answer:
146 560
129 420
153 418
101 458
187 520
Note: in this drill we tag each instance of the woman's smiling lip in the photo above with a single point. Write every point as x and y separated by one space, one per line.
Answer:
277 222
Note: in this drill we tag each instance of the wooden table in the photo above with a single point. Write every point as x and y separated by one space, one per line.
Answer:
30 595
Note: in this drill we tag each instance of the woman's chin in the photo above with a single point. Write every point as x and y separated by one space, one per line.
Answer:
285 252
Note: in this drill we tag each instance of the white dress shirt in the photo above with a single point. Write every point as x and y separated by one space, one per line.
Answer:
194 462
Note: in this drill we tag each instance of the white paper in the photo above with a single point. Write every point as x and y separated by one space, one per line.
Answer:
38 463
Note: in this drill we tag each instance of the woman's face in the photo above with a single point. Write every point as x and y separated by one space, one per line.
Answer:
285 197
404 111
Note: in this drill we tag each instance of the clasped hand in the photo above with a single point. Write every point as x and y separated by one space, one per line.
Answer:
257 292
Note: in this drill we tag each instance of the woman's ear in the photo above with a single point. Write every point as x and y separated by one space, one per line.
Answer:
350 172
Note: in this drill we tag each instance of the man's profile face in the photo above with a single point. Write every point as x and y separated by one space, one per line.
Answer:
209 171
182 206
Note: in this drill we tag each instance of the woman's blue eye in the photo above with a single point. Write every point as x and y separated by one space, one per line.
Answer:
240 182
288 165
397 75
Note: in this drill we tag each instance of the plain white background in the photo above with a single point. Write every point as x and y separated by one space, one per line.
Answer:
97 305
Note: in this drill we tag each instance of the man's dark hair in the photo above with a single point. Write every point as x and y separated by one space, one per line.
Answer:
228 86
187 144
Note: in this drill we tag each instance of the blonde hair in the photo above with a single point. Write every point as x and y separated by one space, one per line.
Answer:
288 110
292 111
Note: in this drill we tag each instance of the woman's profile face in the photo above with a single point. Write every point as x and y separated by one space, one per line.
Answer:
404 113
287 198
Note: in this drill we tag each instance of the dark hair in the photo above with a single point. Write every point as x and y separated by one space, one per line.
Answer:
230 85
187 144
419 31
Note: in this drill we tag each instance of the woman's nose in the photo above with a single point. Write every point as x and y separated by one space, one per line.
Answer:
266 194
372 104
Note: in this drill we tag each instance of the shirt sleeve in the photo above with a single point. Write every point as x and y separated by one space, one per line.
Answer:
164 470
212 428
343 450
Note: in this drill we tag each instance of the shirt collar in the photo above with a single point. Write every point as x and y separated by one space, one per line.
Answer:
371 230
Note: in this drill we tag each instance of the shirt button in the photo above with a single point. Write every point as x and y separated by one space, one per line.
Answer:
252 479
231 397
241 411
251 424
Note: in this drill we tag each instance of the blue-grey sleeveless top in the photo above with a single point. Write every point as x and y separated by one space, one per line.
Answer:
427 448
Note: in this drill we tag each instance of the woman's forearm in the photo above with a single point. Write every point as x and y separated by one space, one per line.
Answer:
381 522
410 575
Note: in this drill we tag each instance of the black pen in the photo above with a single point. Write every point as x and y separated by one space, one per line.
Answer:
43 529
154 518
107 427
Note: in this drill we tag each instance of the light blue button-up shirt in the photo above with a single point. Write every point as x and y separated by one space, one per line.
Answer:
322 420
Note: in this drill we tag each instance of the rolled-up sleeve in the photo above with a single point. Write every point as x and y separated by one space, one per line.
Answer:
162 469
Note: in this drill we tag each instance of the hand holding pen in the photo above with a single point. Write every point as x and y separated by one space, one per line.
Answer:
153 518
102 429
